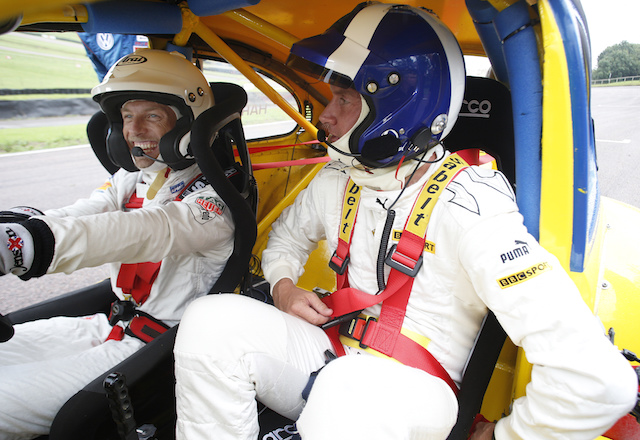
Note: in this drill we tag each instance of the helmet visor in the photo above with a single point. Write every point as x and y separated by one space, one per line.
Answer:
319 72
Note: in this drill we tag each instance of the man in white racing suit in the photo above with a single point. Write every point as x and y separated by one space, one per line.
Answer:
476 256
163 228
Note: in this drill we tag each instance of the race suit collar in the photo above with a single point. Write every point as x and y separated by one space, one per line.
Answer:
392 178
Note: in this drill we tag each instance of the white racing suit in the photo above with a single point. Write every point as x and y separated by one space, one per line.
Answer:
48 361
478 256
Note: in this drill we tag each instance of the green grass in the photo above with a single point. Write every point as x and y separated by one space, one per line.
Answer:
30 61
14 140
618 84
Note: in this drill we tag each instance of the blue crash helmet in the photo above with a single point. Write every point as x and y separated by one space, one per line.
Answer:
406 64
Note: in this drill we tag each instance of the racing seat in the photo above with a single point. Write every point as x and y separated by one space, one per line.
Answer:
485 123
217 137
477 374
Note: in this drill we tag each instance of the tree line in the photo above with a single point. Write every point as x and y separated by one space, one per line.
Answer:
617 61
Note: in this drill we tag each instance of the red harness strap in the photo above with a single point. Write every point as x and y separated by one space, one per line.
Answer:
405 259
134 202
117 333
384 335
136 279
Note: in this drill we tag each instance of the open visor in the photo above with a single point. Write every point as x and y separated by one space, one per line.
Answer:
319 72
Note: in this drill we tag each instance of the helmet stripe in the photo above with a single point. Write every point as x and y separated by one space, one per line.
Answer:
352 53
365 23
348 58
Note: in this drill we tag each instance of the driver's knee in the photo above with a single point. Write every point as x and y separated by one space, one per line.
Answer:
227 326
363 396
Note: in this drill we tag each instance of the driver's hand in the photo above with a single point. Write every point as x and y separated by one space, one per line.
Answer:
299 302
483 431
16 249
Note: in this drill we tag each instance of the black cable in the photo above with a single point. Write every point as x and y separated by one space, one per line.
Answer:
382 251
386 232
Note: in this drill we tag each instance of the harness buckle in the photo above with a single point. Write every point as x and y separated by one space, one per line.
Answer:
342 319
338 264
121 311
357 328
403 263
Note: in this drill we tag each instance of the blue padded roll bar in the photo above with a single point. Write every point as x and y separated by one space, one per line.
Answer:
513 25
483 14
203 8
123 17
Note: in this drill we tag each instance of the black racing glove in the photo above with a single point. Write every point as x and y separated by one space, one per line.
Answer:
18 214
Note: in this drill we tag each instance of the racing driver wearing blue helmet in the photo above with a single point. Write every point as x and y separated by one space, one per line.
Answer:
411 297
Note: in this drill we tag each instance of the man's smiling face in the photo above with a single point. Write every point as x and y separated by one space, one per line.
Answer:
144 124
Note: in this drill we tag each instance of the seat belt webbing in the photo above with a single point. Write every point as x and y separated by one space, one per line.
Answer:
405 260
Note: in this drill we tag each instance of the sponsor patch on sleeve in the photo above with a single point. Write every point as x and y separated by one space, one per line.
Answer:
105 186
526 274
211 204
206 208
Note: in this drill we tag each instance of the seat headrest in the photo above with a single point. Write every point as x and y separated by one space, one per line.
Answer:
486 122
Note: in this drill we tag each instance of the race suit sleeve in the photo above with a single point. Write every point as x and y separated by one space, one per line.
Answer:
296 233
149 234
102 199
580 383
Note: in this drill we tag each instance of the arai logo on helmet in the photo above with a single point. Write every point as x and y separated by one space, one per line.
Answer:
132 59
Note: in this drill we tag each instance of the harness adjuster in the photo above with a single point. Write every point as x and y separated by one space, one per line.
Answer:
356 329
145 327
403 263
338 264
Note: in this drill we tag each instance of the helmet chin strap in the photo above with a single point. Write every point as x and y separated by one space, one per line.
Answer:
154 175
157 183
